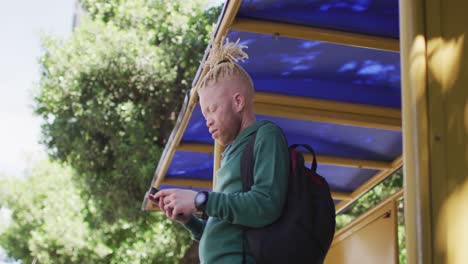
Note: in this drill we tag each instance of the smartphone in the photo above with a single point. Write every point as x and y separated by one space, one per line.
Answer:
153 191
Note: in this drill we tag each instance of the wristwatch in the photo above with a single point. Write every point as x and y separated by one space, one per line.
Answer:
200 200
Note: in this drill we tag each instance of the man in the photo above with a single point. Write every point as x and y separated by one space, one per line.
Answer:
226 99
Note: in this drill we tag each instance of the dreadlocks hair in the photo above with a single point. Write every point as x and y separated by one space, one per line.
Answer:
222 63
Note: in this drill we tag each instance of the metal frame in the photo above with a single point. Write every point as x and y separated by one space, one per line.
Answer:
330 160
327 111
313 33
371 183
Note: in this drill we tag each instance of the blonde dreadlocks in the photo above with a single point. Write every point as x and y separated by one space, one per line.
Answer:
222 63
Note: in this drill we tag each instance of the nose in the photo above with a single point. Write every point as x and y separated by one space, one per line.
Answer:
209 122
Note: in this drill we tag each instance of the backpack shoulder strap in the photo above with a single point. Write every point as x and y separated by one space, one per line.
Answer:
247 170
247 164
312 152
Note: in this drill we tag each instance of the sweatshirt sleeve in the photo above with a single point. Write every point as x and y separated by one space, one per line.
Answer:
263 204
196 226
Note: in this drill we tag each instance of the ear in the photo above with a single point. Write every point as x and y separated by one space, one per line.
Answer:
239 102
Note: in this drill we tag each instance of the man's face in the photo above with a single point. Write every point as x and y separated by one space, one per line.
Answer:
217 106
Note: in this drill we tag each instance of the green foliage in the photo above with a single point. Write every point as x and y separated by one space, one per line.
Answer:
401 232
370 199
51 222
110 93
158 241
47 219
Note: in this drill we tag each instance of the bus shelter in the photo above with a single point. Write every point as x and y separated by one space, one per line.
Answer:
372 85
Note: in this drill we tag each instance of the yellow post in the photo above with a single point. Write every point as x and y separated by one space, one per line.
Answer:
434 56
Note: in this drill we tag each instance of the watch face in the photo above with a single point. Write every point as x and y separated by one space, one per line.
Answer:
200 198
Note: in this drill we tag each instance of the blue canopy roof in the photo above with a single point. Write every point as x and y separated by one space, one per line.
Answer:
339 93
373 17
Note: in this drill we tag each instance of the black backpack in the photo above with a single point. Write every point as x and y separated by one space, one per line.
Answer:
304 231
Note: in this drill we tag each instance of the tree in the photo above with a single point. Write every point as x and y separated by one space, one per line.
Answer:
108 97
110 93
47 219
51 223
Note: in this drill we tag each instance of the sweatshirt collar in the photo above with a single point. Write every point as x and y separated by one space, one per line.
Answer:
244 135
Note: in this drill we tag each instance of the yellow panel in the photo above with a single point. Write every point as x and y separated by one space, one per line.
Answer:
370 239
433 35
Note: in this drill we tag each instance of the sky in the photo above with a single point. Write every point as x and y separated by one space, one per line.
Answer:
21 24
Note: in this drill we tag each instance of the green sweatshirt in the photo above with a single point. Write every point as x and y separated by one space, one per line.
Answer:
229 208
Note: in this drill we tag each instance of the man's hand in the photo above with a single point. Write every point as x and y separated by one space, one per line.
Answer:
177 204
